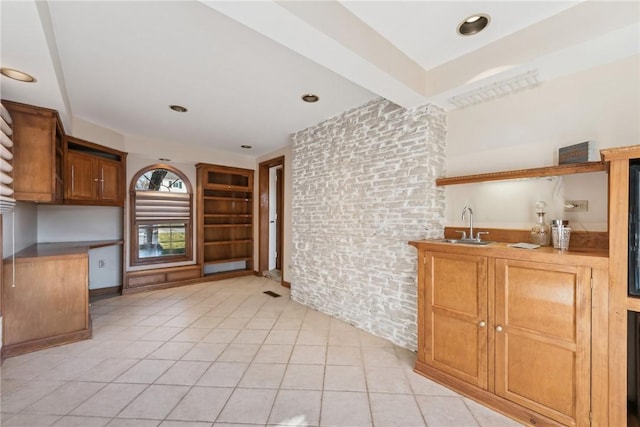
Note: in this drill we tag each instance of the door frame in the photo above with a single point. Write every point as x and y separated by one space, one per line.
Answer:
263 215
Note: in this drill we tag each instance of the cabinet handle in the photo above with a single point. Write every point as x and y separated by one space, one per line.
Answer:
482 324
73 179
95 179
498 328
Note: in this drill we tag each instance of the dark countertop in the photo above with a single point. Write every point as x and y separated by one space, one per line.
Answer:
40 250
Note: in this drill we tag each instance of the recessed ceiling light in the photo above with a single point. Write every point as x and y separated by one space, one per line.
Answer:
246 147
309 97
164 159
473 24
178 108
17 75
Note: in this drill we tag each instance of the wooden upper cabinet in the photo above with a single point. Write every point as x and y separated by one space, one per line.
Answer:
37 153
542 338
456 316
227 178
95 174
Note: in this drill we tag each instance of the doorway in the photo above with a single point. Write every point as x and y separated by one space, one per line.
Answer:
271 218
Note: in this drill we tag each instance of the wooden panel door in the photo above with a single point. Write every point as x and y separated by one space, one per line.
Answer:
82 182
542 336
110 181
456 311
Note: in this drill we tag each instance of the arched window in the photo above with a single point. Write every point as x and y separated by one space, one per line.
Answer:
161 217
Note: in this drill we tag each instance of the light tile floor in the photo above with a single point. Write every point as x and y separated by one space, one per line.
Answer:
225 354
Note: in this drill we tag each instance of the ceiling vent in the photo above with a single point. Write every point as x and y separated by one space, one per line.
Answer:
496 90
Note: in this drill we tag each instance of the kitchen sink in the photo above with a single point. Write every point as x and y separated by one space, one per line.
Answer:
467 241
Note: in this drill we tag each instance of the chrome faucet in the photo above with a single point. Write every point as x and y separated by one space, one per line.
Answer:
464 211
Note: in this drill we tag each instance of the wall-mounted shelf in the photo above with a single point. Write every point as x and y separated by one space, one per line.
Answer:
524 173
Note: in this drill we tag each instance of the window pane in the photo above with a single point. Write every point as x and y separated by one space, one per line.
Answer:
160 180
158 240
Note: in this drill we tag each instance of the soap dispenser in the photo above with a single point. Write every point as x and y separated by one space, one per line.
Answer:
540 232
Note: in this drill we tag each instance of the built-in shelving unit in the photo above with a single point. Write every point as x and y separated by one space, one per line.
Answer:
524 173
225 220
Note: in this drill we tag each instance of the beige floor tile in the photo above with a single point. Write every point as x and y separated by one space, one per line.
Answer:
395 410
309 355
369 340
201 404
69 370
251 336
344 355
263 375
33 368
182 321
381 357
31 420
203 351
441 411
183 373
234 323
192 334
185 424
221 336
172 350
239 353
123 422
344 378
145 372
162 333
303 377
424 386
64 399
282 336
106 349
207 322
344 337
138 349
155 402
107 370
28 393
296 408
109 401
73 421
134 332
313 337
155 320
345 408
274 353
288 323
386 380
223 374
261 323
248 406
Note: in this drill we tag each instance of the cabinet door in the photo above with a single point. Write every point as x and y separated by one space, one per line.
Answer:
109 180
81 178
542 337
456 316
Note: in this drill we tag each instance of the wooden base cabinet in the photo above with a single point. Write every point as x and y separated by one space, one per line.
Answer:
511 333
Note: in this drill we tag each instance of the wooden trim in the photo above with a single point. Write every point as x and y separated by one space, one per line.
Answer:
633 304
524 173
618 254
600 347
620 153
40 344
166 285
286 284
580 240
111 290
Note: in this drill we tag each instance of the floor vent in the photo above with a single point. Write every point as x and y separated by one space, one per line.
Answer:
272 294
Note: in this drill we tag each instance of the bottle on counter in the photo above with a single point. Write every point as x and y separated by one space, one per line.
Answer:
540 232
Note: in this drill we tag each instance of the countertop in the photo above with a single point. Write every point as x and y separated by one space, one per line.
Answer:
593 258
41 250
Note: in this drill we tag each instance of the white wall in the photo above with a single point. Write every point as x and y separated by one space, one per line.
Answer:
24 218
526 130
288 191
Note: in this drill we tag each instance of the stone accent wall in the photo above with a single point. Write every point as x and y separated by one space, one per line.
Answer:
363 186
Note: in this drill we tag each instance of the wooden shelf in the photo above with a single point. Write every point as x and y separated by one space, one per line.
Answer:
524 173
228 199
227 242
221 261
226 225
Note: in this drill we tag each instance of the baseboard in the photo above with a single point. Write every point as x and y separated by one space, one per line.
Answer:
111 290
42 343
286 284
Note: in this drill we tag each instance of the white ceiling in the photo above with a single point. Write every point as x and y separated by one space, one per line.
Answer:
240 67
